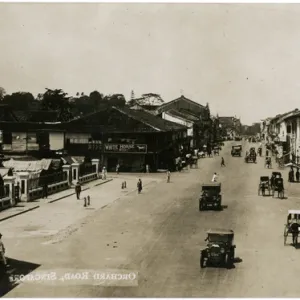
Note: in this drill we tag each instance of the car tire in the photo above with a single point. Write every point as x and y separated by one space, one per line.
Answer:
202 261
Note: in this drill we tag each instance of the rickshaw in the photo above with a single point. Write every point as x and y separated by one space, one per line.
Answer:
216 150
268 162
293 217
220 249
264 185
259 151
211 196
278 187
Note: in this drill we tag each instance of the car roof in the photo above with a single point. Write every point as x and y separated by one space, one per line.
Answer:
212 184
294 212
219 231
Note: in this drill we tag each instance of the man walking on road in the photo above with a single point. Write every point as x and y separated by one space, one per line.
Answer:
78 190
222 162
214 179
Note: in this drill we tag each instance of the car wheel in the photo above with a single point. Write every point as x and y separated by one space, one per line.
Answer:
202 260
200 206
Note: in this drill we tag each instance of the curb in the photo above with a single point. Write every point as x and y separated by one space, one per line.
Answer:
19 213
84 189
66 196
108 180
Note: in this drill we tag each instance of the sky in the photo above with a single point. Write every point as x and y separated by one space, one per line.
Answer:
243 59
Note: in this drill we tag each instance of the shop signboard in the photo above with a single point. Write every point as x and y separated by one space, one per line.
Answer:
125 148
95 145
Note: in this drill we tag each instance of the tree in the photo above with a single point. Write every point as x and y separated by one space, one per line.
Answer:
59 101
95 100
116 100
19 100
2 93
152 99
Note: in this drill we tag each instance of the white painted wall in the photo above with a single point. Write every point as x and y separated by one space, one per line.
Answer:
180 121
56 140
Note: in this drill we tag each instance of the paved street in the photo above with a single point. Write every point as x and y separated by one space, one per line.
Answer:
159 234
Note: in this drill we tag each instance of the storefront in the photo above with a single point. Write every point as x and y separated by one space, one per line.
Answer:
130 157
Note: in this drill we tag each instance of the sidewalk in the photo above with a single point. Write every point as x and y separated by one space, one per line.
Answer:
24 207
54 222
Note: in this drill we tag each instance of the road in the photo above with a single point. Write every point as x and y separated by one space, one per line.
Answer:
160 232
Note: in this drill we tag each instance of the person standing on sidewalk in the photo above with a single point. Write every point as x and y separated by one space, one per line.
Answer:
168 176
222 162
104 173
2 251
78 190
139 186
117 168
45 191
147 169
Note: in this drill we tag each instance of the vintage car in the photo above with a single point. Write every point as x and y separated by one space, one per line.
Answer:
220 250
236 150
211 196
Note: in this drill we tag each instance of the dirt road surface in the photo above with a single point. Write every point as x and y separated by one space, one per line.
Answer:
160 233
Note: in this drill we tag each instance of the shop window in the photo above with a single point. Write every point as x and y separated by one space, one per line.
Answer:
7 137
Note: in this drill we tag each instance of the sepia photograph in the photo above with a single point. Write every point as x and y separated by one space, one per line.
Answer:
149 150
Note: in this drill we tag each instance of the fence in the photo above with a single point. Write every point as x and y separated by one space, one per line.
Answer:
86 169
5 200
54 183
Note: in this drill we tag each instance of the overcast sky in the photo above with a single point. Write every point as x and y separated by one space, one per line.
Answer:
243 59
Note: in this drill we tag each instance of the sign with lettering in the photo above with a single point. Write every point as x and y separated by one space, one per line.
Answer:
95 145
125 148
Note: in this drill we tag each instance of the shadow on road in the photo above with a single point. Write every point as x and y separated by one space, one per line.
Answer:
16 269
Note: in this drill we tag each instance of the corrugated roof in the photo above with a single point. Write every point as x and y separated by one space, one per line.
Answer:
182 114
19 166
151 120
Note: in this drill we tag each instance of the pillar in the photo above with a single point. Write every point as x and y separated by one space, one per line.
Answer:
75 172
67 169
10 181
24 178
95 162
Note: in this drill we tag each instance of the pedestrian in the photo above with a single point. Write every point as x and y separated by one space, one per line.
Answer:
222 162
45 190
295 232
139 186
2 251
214 179
78 190
267 153
297 175
147 169
168 176
117 168
104 172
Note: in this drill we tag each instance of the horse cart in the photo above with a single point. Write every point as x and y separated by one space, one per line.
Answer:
236 150
289 228
264 185
278 187
211 197
220 249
